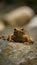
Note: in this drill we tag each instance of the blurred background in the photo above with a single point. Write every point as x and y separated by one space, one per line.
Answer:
7 5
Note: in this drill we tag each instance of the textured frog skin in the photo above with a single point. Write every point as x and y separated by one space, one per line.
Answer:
20 36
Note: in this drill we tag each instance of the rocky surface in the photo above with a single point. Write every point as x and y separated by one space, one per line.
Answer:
17 54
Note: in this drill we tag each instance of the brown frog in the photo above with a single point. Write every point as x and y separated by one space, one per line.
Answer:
20 36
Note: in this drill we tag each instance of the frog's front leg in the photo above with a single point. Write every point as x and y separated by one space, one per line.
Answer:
10 38
28 39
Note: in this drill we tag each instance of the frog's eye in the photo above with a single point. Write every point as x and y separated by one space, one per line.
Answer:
15 29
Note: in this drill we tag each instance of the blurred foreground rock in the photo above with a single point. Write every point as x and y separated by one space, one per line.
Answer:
17 54
19 17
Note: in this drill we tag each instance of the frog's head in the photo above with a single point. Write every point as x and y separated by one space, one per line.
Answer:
18 32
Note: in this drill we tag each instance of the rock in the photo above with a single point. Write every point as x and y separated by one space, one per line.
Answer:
18 54
2 26
19 17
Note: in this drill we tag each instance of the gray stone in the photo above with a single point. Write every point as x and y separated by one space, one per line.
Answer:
18 54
